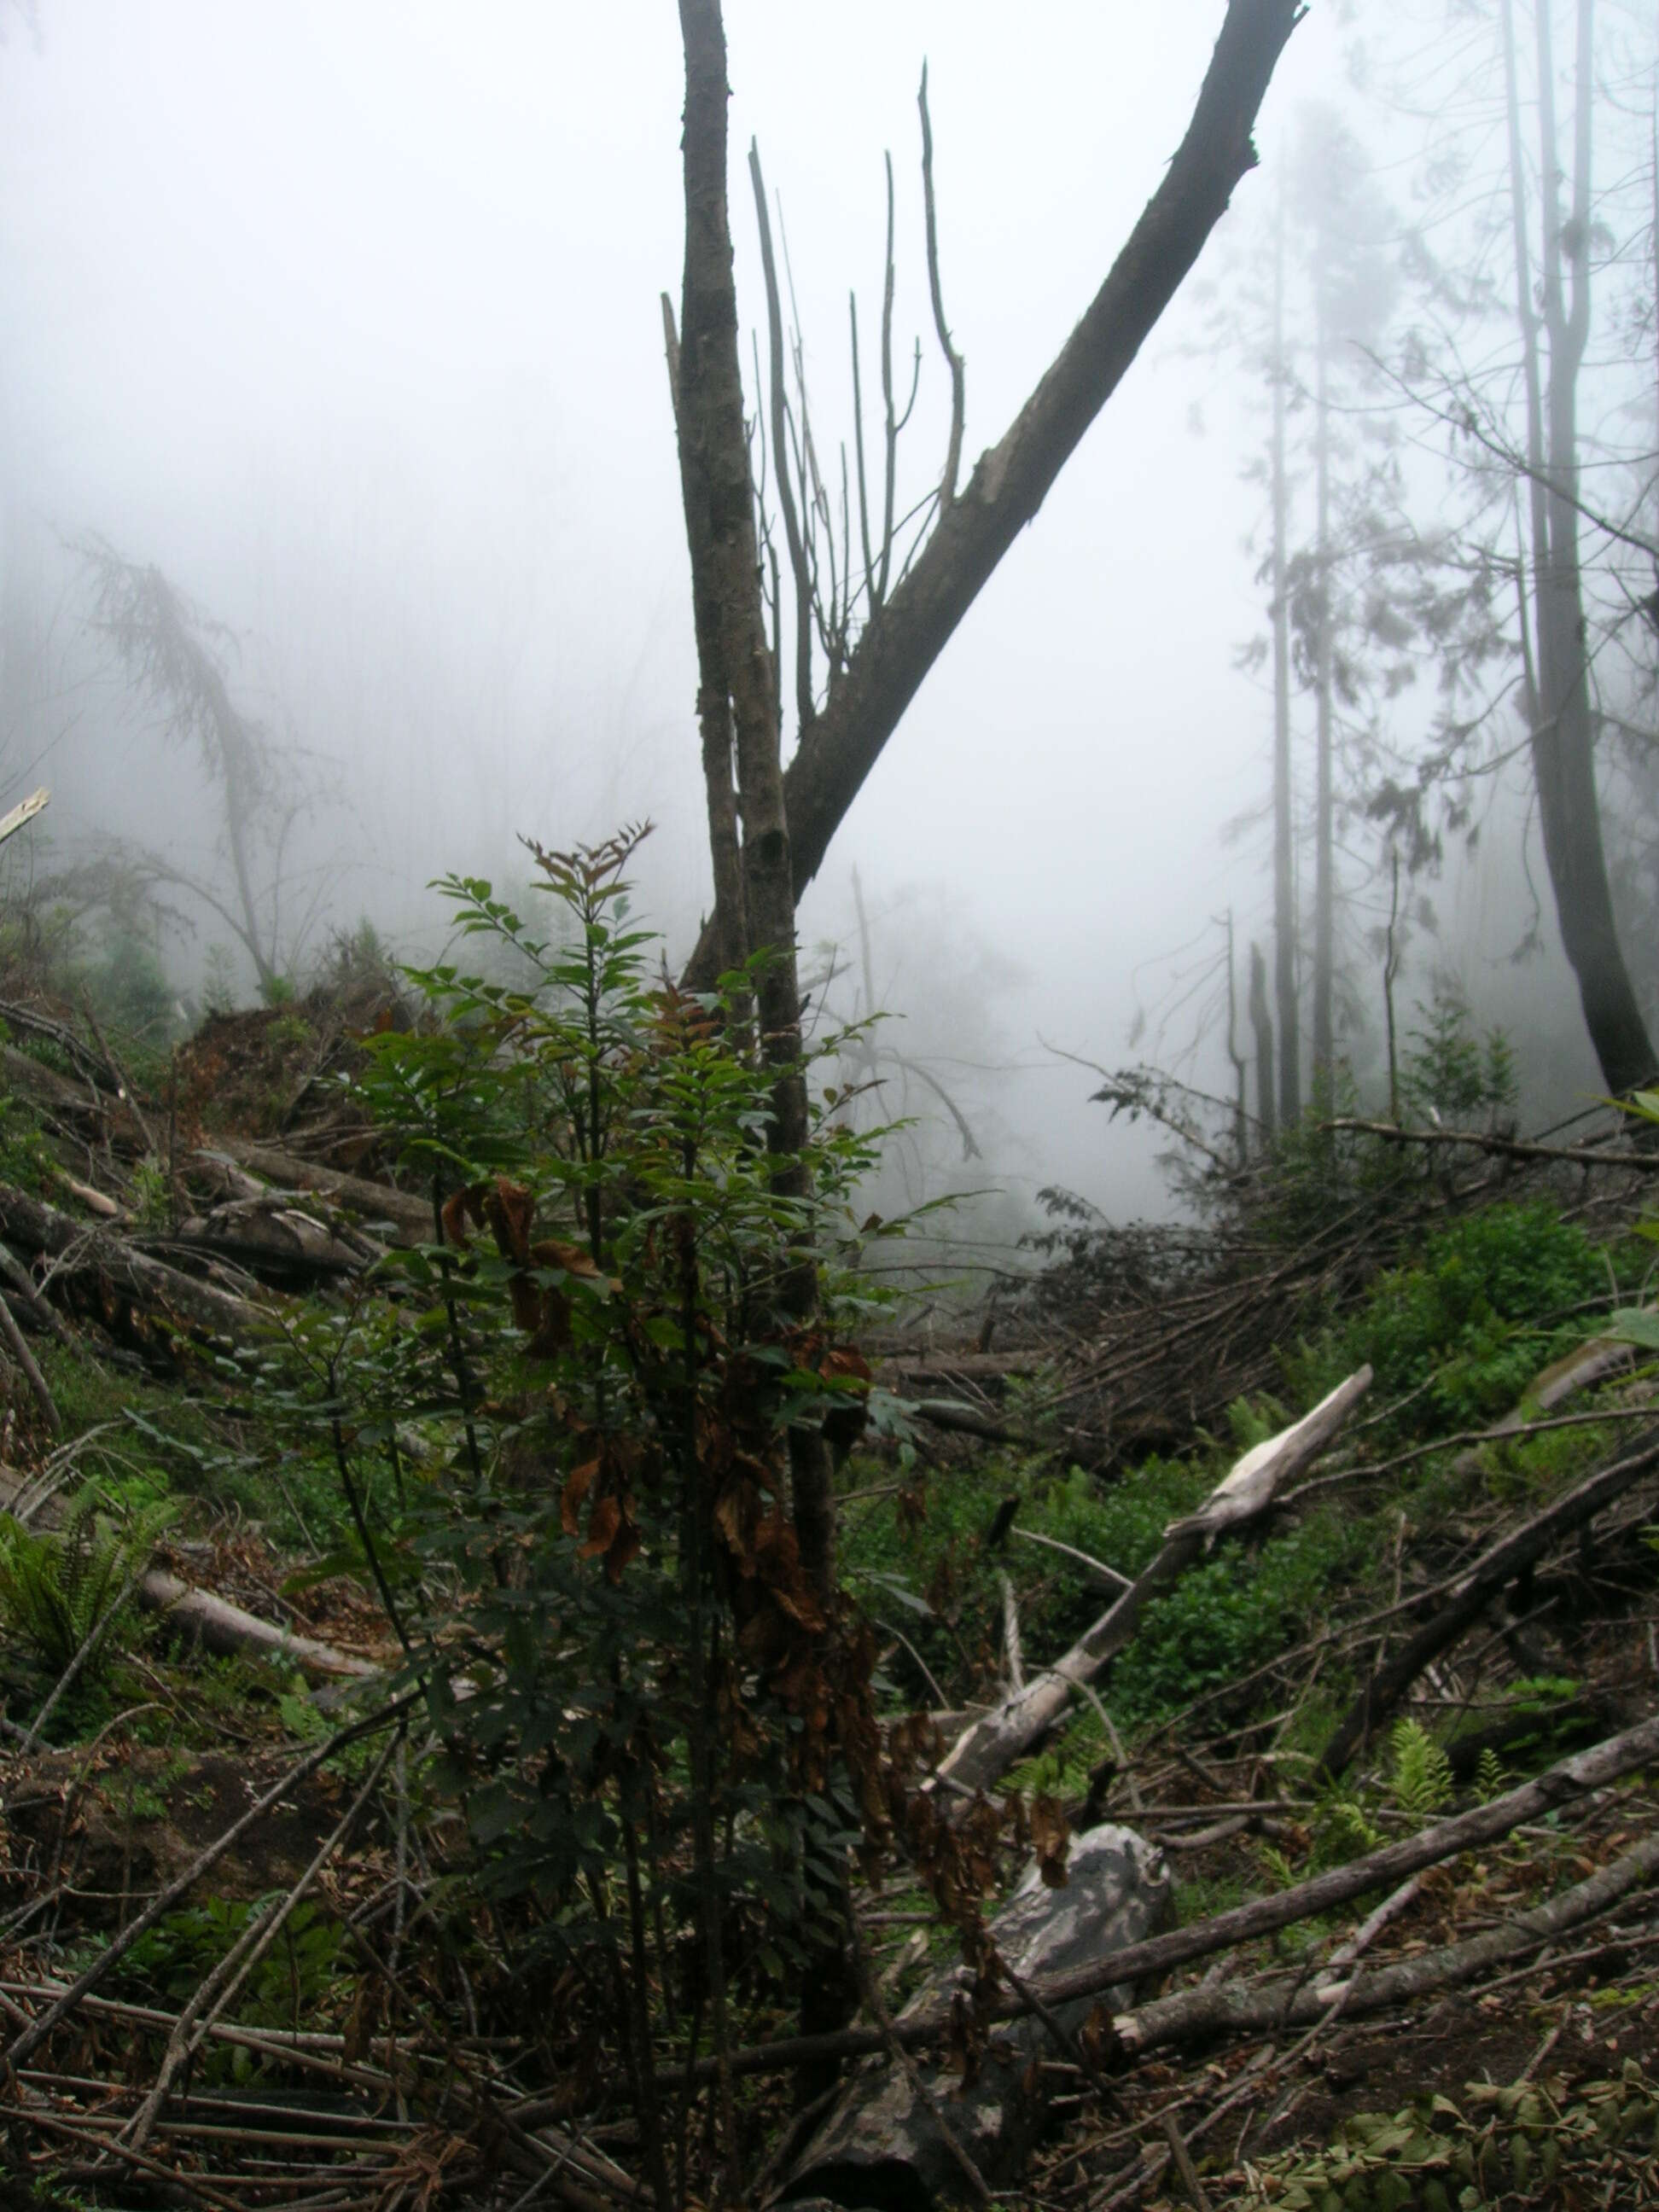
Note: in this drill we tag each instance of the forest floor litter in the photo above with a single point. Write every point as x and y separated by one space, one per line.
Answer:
1369 1659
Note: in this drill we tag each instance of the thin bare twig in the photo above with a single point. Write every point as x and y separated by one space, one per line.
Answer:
947 488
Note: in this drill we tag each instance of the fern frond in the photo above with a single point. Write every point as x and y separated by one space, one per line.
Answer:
1422 1778
1490 1779
56 1586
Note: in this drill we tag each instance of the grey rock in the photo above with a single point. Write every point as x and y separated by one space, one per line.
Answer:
881 2148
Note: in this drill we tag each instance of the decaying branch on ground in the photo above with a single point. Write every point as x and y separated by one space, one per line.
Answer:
991 1745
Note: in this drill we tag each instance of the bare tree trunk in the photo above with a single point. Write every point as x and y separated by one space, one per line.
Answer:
1241 1115
1324 1046
714 704
1289 1058
1563 721
737 676
906 636
1261 1022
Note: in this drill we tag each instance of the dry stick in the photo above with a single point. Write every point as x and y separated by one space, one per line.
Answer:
89 1644
294 2047
1396 1902
1302 1651
1108 1574
25 1358
1074 2045
23 1283
947 489
124 1090
1509 1148
779 398
1012 1650
795 2139
1495 1566
1503 1434
214 1994
1569 1778
170 2174
25 2045
1184 2167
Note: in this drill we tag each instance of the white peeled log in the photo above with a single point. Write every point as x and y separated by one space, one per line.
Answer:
215 1623
998 1739
23 813
221 1626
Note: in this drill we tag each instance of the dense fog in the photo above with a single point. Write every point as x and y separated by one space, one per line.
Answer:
347 319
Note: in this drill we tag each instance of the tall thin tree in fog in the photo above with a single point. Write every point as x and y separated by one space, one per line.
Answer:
1303 303
1345 230
1514 285
1553 314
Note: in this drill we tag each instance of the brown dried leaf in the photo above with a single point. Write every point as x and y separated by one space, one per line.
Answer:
1051 1839
577 1484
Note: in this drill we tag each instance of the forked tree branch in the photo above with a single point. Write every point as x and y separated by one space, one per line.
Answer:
1010 482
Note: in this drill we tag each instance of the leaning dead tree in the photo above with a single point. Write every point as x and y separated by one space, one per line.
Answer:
880 621
172 654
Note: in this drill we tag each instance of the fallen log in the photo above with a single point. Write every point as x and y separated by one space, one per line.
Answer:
45 1085
406 1219
968 1421
277 1241
1568 1780
218 1624
897 2134
1294 2001
1000 1738
158 1291
1496 1567
1505 1148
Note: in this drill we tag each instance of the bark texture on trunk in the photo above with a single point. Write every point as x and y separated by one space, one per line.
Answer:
1560 713
1261 1022
909 631
738 678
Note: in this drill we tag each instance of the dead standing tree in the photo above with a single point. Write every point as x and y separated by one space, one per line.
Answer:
170 650
908 621
737 698
787 819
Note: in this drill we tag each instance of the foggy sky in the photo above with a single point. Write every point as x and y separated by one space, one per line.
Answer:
346 313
